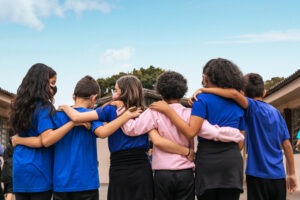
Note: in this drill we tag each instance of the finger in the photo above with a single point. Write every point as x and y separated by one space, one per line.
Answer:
132 109
190 102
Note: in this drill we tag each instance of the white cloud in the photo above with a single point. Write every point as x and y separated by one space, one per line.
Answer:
292 35
31 12
81 5
113 61
111 56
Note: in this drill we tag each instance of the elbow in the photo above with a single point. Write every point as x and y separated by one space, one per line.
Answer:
101 133
190 135
101 136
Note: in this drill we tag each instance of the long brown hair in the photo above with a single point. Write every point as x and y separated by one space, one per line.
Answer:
131 91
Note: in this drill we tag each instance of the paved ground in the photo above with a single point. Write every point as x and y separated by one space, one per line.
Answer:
293 196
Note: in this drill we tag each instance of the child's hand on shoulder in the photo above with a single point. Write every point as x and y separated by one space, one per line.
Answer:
62 107
194 97
133 112
117 103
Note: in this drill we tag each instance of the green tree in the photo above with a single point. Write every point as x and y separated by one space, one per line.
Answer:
147 76
272 82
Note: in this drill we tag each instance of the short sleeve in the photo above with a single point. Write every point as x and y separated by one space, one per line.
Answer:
199 108
44 120
95 125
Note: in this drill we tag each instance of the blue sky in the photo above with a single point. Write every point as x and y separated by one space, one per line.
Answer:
101 38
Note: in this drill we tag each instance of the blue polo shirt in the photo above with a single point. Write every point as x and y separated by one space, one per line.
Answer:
75 157
266 130
219 110
32 167
118 140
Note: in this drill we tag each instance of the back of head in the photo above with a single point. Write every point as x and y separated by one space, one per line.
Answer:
131 91
86 87
34 90
223 73
171 85
253 85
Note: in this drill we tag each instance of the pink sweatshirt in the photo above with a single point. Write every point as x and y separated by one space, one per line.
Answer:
161 160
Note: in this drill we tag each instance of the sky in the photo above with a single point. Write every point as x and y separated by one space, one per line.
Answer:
102 38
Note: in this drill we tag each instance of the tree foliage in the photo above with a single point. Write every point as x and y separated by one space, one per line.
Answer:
146 75
272 82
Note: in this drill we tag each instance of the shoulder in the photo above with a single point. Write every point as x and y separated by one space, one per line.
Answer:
106 108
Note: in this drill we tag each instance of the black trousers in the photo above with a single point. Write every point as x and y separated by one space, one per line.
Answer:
174 184
265 189
34 196
82 195
220 194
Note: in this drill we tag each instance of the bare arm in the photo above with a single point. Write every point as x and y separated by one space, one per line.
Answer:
32 142
290 166
111 127
76 116
169 146
190 129
50 136
228 93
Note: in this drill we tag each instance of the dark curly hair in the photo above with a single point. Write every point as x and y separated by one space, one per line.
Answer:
223 73
171 85
253 85
33 91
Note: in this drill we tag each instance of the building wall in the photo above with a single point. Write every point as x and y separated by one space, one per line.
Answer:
286 98
5 101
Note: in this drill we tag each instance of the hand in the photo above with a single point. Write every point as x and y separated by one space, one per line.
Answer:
160 106
87 125
14 140
117 103
291 183
132 112
194 97
191 156
61 107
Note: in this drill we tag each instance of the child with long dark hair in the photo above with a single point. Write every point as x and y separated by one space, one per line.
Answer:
77 147
31 115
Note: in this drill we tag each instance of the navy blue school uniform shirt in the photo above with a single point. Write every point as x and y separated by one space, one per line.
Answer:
119 141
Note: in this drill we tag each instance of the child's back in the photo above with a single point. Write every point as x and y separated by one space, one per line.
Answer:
266 131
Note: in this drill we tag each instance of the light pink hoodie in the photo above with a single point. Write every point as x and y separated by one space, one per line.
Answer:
161 160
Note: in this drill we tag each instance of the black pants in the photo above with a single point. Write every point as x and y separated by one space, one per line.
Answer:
220 194
82 195
265 189
174 184
34 196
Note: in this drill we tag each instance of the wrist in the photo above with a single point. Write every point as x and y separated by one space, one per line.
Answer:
189 152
